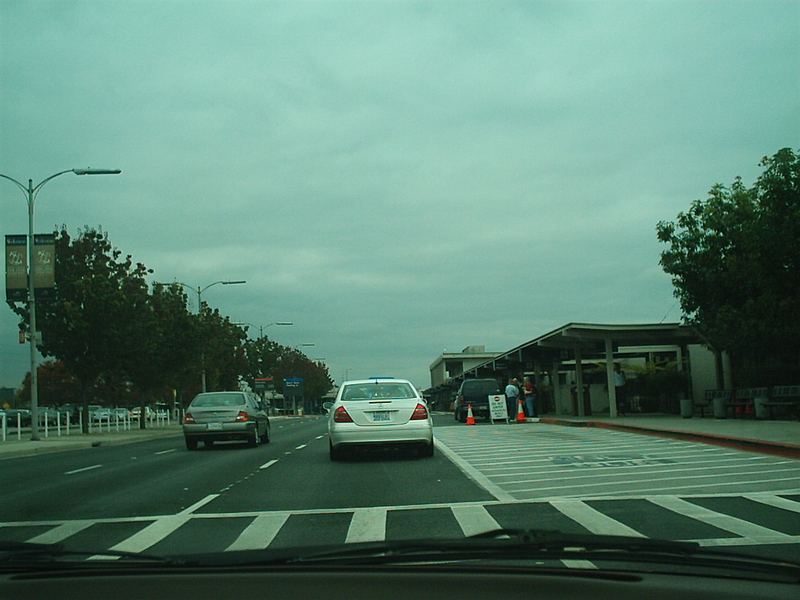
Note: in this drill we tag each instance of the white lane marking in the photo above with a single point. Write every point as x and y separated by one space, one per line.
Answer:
719 520
474 519
267 465
592 519
773 500
578 564
82 470
160 528
301 446
478 477
367 525
260 533
319 437
60 533
166 451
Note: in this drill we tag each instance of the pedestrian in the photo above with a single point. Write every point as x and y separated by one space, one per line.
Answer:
512 394
619 389
530 396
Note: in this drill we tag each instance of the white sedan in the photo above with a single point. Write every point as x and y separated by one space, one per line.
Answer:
379 412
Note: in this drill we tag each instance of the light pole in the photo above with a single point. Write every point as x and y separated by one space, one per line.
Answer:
31 192
199 291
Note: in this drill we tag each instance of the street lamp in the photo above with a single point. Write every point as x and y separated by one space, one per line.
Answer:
31 192
199 291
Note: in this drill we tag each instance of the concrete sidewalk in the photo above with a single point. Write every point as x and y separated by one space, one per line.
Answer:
781 438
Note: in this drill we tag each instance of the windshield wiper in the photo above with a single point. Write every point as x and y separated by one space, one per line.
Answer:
510 546
16 554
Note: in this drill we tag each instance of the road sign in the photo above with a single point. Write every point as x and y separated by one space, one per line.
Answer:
497 407
293 386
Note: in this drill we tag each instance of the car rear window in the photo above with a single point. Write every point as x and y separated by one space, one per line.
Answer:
218 400
371 391
482 387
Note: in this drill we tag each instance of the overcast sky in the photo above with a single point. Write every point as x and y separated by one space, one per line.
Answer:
396 178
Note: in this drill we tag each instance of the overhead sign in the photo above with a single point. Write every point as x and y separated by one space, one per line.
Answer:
16 268
497 407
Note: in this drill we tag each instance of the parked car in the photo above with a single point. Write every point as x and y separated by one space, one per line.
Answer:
48 415
100 415
120 414
223 416
379 412
475 393
18 416
136 413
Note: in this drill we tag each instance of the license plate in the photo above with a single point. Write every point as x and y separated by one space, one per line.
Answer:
381 416
215 426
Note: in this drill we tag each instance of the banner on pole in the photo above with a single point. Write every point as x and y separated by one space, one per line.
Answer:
16 268
44 265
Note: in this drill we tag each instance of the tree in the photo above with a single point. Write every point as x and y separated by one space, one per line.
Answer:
57 386
734 259
166 337
92 325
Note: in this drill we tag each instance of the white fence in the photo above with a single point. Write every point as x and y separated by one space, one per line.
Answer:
11 428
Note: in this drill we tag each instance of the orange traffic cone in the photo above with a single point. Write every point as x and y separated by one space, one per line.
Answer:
520 413
470 418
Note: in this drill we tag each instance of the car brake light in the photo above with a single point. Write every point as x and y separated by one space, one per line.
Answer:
340 415
420 412
242 416
188 418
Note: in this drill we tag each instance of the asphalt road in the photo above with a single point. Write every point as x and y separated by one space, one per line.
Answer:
157 497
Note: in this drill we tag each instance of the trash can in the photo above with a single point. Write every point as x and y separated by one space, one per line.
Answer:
687 408
761 410
720 411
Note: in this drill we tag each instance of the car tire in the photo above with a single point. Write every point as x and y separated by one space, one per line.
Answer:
265 438
191 444
427 450
254 439
335 453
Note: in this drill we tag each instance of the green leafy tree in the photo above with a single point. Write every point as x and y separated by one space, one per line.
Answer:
734 259
163 350
222 347
92 325
293 363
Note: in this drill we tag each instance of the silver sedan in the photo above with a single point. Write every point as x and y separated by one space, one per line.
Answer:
222 416
379 412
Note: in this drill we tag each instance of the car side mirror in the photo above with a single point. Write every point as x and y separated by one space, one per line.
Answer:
327 406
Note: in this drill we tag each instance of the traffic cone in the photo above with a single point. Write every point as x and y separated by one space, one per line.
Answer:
520 412
470 418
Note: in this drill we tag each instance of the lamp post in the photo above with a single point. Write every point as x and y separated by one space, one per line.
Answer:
31 192
199 291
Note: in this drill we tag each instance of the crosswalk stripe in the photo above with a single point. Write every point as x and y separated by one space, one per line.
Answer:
773 500
159 529
474 519
367 525
60 533
260 533
721 521
592 519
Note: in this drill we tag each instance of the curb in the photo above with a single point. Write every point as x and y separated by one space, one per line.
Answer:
762 446
80 441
